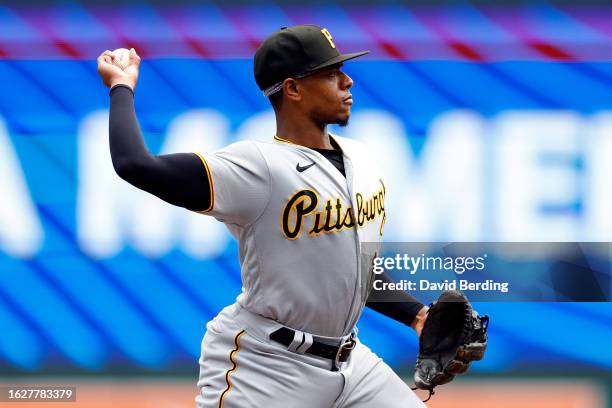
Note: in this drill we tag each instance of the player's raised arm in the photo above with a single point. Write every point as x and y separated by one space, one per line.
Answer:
179 179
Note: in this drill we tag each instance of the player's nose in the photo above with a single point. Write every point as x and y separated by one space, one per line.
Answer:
347 81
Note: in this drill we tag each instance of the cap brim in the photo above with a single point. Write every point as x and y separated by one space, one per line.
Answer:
338 60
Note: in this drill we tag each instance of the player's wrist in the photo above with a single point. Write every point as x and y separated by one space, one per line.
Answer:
122 82
419 320
115 88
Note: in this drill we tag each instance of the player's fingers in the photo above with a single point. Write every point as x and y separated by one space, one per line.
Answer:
104 57
104 62
101 59
134 57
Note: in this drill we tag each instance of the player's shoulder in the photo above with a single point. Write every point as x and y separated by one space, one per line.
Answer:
246 151
242 147
274 147
258 150
254 143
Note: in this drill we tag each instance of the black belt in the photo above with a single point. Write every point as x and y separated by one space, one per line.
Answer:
338 354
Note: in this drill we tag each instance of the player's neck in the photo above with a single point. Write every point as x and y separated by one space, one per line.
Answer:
303 132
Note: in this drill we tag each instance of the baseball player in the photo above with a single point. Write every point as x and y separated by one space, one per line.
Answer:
300 207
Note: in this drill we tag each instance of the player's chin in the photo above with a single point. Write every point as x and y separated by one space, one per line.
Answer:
343 119
343 123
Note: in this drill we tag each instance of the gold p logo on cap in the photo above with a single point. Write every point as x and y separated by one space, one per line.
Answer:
329 37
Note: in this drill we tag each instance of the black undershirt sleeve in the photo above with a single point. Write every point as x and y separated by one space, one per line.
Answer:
178 179
398 305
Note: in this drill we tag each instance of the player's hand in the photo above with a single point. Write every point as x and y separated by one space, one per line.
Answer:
113 75
419 320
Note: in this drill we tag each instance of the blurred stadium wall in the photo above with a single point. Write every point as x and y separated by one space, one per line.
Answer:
494 122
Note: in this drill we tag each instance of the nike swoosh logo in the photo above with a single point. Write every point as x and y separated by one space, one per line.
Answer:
304 168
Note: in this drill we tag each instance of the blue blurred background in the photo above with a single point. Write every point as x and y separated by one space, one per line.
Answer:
492 123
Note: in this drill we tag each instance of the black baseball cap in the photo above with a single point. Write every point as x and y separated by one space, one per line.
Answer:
294 52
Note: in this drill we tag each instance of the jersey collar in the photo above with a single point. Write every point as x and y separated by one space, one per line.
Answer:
333 141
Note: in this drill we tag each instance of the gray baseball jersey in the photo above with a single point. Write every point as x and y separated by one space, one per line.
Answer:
299 223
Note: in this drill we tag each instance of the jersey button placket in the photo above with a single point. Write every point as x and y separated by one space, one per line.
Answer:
348 168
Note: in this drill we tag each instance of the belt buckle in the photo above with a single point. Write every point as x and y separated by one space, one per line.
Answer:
348 345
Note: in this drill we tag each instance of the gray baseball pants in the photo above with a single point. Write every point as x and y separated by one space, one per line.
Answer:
240 367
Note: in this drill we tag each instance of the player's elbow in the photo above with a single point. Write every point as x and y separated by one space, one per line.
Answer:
129 169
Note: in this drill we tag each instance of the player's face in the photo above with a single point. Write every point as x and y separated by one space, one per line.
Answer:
326 96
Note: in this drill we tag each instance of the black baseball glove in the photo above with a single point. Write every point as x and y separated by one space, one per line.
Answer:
453 336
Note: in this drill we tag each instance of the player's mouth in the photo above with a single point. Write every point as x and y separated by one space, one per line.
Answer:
348 100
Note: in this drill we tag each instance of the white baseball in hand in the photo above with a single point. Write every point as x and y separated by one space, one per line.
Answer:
121 57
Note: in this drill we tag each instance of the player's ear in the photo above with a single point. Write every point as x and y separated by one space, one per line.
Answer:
291 89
